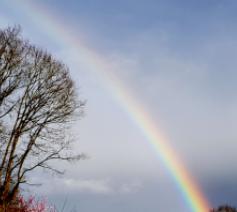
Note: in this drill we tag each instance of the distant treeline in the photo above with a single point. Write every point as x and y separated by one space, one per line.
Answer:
224 208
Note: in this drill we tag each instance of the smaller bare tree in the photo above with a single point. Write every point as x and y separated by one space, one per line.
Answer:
224 208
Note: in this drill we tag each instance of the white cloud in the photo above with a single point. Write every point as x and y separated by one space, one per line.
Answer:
98 186
90 186
102 186
131 187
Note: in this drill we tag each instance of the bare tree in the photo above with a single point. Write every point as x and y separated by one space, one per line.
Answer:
224 208
37 104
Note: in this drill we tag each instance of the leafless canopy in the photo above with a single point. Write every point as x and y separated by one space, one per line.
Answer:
224 208
37 103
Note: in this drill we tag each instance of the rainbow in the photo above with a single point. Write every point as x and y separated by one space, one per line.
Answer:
57 31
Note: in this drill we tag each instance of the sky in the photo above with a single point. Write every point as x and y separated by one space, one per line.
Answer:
177 58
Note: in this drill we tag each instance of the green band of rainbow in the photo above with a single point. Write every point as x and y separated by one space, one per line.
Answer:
51 24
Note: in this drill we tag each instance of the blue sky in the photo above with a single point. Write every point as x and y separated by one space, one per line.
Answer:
179 60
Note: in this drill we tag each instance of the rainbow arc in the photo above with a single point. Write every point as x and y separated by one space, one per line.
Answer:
49 22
